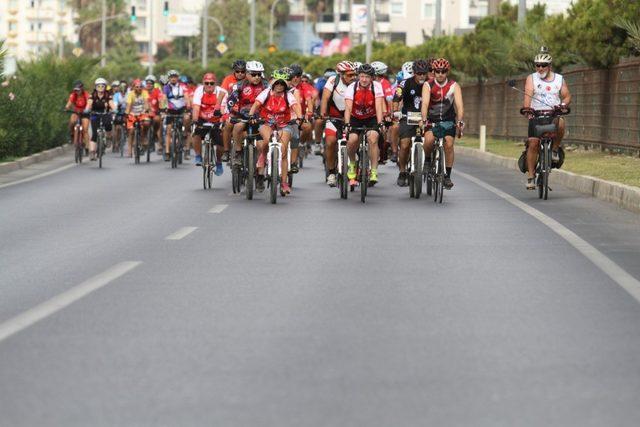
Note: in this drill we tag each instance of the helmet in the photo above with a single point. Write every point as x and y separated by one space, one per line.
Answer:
150 77
400 76
255 66
281 74
184 79
421 66
296 70
366 69
100 81
78 84
173 73
136 82
440 64
380 67
407 70
543 57
329 73
239 65
115 83
345 66
209 76
163 79
357 64
307 76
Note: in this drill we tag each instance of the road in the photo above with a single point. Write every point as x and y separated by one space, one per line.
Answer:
131 296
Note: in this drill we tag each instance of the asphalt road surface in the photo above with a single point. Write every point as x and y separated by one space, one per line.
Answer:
131 296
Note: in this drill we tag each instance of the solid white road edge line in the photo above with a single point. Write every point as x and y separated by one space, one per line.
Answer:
41 175
57 303
610 268
181 233
218 208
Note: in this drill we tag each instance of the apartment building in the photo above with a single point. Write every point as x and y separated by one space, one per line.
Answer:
33 27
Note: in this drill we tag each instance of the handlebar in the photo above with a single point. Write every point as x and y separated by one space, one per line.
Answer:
557 111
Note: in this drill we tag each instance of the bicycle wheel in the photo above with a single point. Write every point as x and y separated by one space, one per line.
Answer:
441 172
101 137
250 165
364 176
173 150
136 143
123 140
546 170
205 167
344 179
149 142
417 173
180 148
273 178
435 176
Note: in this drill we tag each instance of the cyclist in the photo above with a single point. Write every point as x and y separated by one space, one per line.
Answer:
207 107
545 90
381 71
409 93
120 101
155 102
137 111
177 103
364 107
333 106
240 101
276 105
239 74
319 123
306 96
442 102
188 87
99 102
77 103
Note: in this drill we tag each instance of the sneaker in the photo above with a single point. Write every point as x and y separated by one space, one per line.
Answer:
331 180
285 189
373 177
219 169
198 160
402 179
294 168
531 184
187 156
167 157
555 156
351 172
318 150
448 184
225 156
260 183
394 158
262 158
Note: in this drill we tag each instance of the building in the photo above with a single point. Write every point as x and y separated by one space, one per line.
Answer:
406 21
33 27
553 6
298 34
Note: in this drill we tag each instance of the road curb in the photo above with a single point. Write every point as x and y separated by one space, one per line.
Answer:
34 158
625 196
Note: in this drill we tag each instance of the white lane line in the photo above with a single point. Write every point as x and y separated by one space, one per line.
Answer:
57 303
218 208
41 175
181 233
610 268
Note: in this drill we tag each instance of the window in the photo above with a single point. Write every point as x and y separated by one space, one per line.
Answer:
32 26
428 9
396 8
12 26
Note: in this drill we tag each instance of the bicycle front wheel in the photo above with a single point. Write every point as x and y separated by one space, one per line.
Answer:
441 172
273 189
136 139
250 164
344 179
364 175
546 170
205 167
101 137
417 173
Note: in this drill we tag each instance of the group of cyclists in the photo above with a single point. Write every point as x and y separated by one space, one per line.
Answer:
343 103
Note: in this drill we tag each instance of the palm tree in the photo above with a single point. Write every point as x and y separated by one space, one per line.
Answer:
633 31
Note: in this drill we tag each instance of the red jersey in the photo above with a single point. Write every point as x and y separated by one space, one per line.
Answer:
154 100
209 103
364 99
228 82
244 95
388 91
307 92
276 107
79 100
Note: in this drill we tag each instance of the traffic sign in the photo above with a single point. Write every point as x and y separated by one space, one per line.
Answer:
222 48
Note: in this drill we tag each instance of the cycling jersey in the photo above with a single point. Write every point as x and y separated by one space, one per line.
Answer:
547 91
336 101
209 103
121 101
79 100
441 105
154 100
228 82
244 95
320 84
98 104
276 107
307 92
409 91
137 102
364 99
388 91
175 96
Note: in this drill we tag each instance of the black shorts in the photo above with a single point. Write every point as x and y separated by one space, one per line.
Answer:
547 122
216 135
119 119
407 130
370 123
95 124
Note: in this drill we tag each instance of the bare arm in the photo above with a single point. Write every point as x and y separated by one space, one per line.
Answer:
297 110
457 100
324 104
426 100
380 109
255 107
565 94
348 105
528 90
196 112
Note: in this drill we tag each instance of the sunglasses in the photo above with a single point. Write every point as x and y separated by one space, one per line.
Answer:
421 74
441 71
542 64
240 72
209 83
255 74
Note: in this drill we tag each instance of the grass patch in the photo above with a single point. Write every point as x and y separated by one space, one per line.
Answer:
8 159
612 167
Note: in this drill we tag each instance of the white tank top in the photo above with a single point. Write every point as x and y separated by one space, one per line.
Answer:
547 91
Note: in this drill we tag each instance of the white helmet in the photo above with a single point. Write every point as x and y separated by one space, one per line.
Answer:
407 70
255 66
357 65
100 81
150 77
380 67
542 58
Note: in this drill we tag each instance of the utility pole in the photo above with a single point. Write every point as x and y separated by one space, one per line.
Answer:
438 28
252 31
493 7
151 36
103 42
205 34
369 31
271 19
522 11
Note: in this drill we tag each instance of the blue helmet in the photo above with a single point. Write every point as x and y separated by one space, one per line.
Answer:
184 79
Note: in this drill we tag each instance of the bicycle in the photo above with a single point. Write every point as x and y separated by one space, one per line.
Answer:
545 125
415 168
119 134
77 141
343 160
102 136
137 146
434 176
177 141
274 162
246 173
363 160
208 154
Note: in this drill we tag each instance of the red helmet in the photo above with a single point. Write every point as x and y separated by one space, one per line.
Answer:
137 82
209 77
440 64
345 66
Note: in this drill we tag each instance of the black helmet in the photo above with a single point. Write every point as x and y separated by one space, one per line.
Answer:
296 70
78 84
366 69
421 66
239 65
